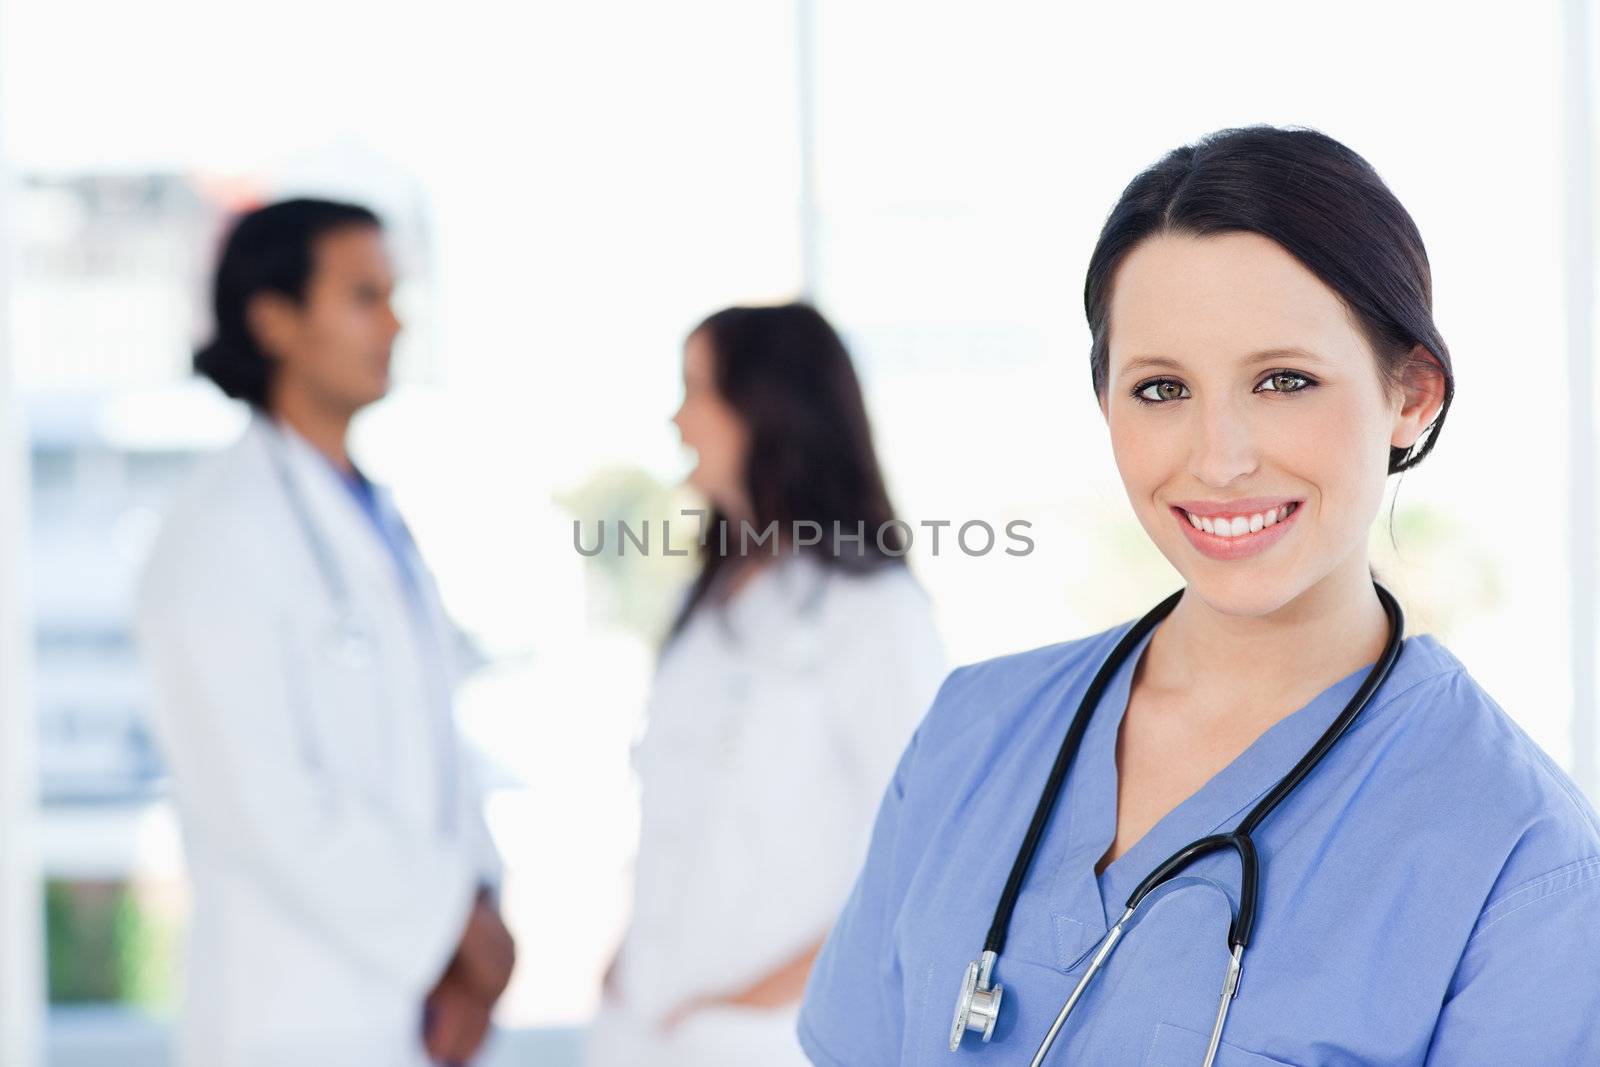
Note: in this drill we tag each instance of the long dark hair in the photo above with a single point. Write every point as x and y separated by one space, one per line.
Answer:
786 373
270 250
1323 204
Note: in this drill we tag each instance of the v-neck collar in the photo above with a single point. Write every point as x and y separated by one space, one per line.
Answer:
1095 901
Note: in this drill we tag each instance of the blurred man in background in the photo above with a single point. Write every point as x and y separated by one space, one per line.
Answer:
344 879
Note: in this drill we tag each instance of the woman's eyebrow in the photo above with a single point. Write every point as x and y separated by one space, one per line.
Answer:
1266 355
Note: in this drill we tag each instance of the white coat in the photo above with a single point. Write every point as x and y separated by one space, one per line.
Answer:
774 726
333 833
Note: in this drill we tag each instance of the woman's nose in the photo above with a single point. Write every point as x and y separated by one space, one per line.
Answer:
1225 448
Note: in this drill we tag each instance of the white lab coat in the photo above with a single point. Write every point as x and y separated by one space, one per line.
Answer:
774 726
333 830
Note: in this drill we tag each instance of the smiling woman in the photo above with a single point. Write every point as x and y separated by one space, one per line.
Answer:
1265 383
1276 767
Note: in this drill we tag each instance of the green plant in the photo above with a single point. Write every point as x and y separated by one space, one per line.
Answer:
105 941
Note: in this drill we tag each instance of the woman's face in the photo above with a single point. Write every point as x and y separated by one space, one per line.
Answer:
708 424
1242 397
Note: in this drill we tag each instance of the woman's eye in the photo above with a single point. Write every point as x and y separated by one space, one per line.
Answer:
1160 391
1284 382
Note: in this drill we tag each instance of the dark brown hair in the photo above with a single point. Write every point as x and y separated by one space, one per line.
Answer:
786 373
1323 204
269 250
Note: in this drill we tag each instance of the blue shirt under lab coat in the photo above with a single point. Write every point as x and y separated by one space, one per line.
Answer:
1429 895
387 524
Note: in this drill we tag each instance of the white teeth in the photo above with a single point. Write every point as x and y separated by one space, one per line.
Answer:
1239 525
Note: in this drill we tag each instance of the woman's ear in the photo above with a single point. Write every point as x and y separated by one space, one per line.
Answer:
1422 392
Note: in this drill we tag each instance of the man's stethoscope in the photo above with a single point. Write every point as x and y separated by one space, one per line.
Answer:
978 1005
350 639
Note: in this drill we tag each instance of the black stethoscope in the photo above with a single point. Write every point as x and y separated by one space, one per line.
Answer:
978 1005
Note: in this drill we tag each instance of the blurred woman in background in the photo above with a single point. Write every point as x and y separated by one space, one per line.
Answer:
791 678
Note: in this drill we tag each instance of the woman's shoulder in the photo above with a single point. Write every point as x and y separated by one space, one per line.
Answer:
888 586
1453 716
882 614
994 693
874 604
1449 758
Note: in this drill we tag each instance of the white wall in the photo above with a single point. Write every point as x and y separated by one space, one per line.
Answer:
21 992
1577 98
21 987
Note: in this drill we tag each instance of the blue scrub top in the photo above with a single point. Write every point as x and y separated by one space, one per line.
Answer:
386 524
1429 895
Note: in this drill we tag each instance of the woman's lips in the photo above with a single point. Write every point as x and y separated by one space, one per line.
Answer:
1244 545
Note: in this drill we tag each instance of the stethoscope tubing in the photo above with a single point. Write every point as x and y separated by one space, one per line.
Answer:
1239 840
996 940
350 632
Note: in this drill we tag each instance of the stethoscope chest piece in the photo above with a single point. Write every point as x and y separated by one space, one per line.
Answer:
350 641
978 1006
